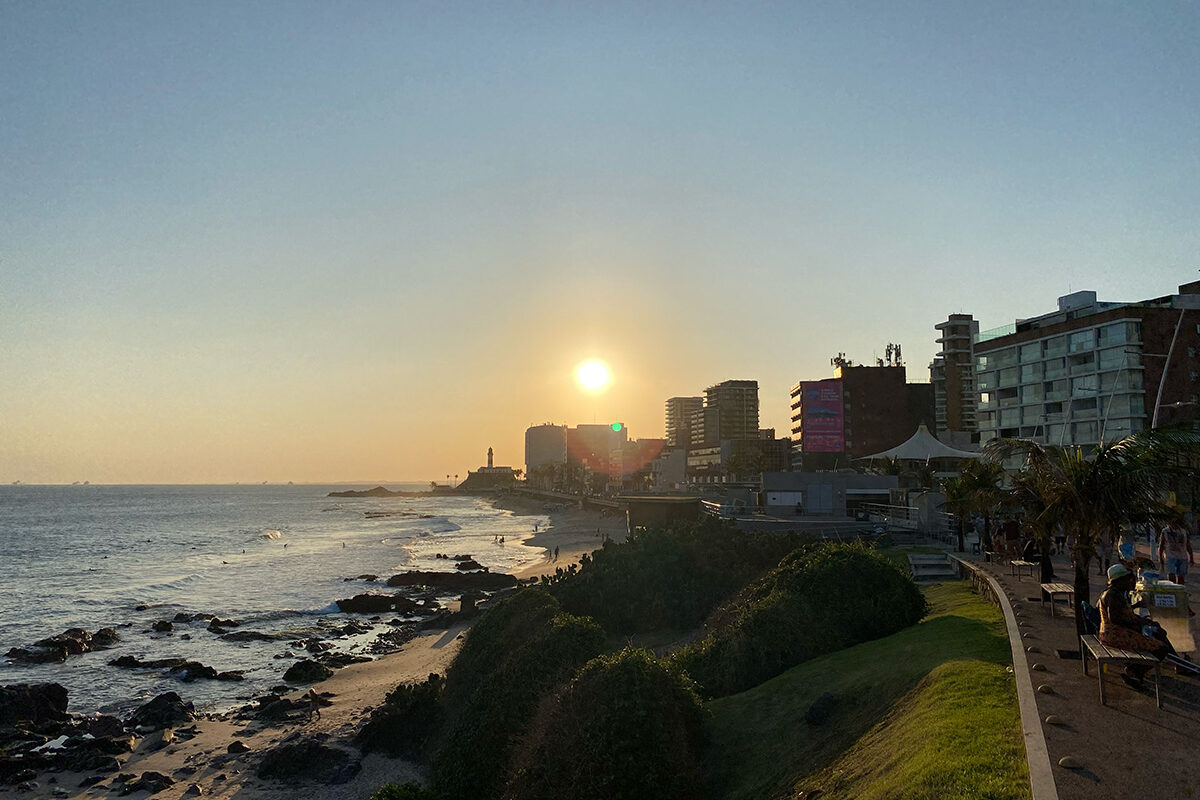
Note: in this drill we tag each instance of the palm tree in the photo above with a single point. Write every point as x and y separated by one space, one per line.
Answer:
984 479
1091 495
958 502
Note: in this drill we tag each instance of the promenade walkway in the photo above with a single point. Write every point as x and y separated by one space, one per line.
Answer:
1126 749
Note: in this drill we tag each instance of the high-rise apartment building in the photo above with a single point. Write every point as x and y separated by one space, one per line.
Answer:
858 412
545 445
1091 371
730 411
952 374
680 411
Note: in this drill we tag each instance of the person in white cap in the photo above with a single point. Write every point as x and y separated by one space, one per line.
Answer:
1120 626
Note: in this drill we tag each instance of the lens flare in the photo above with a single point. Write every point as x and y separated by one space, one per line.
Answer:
593 376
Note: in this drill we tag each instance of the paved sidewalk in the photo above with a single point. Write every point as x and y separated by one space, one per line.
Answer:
1127 749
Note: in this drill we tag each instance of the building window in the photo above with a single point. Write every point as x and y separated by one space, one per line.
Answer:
1082 341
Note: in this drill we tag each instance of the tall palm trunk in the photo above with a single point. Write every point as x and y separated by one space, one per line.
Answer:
1082 587
962 541
1047 565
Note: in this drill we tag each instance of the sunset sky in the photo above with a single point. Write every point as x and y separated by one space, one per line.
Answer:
367 241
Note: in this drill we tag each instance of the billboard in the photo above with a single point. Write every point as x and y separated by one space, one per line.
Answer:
821 427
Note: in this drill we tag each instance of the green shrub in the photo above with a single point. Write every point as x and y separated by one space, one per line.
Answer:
516 653
401 725
626 727
403 791
820 598
667 579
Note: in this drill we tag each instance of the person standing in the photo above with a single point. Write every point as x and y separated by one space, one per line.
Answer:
1175 553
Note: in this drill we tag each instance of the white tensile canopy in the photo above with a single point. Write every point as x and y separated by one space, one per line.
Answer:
922 446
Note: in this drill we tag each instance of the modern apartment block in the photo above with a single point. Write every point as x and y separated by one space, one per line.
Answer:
952 374
545 445
730 411
680 411
1091 371
858 412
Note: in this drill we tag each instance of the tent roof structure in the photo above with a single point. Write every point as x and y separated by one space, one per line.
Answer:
922 446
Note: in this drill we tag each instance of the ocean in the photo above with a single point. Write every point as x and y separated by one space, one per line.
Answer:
273 558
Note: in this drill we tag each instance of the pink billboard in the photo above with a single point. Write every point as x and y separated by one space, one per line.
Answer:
821 426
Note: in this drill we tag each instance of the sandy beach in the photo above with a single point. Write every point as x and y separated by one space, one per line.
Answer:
204 760
574 531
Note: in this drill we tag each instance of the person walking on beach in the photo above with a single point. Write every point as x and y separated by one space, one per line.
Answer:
556 552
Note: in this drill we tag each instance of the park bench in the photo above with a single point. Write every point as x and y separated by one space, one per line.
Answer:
1050 590
1115 655
1016 566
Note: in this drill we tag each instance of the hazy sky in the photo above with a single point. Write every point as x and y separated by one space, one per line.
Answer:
278 241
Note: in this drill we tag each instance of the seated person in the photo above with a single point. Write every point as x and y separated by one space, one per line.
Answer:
1121 627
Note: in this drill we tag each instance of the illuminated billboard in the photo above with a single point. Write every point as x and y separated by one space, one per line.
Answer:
821 427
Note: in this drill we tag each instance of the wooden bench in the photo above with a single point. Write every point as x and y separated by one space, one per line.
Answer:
1114 655
1050 590
1017 565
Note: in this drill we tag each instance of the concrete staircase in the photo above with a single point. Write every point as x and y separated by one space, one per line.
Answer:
932 568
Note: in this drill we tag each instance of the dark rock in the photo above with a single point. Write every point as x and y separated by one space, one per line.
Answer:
105 637
141 607
27 786
339 660
102 725
158 663
237 746
453 581
253 636
277 709
375 604
107 745
162 626
466 603
165 711
90 780
192 671
193 790
86 760
23 775
152 782
309 759
818 713
11 766
32 702
231 675
73 640
469 564
307 671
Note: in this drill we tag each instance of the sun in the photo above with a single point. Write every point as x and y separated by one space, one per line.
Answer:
593 376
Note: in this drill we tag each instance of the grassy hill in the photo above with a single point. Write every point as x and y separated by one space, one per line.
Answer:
928 712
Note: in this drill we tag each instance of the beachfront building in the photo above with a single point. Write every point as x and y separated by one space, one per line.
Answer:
859 411
680 411
1091 371
952 375
545 446
730 411
630 466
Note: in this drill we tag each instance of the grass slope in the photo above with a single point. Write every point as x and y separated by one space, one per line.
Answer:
956 735
761 747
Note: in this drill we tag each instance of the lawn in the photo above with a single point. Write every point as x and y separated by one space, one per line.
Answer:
928 712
